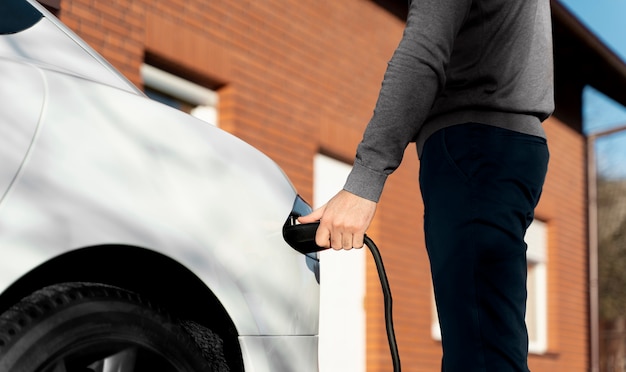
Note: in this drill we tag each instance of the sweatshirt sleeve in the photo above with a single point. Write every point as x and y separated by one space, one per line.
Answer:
414 76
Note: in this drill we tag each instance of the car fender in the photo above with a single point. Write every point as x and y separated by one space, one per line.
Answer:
111 167
18 80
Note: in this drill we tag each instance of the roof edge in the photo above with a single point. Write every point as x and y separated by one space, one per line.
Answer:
616 66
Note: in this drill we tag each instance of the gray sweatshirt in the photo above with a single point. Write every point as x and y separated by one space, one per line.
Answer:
459 61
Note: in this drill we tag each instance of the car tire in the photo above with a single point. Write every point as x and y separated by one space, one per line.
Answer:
88 327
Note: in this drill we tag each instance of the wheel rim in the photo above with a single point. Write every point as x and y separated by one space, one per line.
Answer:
108 356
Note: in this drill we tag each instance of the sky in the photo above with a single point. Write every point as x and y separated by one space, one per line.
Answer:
606 19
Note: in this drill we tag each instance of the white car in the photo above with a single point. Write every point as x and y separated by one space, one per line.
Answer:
134 237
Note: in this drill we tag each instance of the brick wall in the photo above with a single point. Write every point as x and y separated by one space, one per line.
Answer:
563 207
296 78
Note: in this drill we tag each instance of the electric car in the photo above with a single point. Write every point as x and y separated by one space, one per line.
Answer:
135 237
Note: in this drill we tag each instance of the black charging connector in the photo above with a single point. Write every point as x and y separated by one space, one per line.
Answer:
301 237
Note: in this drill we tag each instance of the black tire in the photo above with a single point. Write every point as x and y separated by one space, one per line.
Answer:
77 327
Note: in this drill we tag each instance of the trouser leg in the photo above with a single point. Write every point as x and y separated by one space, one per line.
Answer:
480 185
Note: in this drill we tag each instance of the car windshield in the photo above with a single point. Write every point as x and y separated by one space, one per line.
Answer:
16 16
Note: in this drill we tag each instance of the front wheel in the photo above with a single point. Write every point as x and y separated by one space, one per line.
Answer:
87 327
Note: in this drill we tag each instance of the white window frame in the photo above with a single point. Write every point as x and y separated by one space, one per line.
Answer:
205 100
537 240
342 332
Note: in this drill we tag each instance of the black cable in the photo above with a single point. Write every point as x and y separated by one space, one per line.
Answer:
302 238
391 336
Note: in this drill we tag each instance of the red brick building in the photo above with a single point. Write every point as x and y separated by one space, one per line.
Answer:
296 79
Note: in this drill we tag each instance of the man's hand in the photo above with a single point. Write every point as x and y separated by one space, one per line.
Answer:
343 221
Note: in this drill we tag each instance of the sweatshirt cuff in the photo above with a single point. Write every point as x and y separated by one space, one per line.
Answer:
365 183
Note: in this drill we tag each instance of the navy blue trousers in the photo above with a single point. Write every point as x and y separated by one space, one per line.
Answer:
480 185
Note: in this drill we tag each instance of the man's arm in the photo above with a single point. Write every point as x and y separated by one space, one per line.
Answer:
414 76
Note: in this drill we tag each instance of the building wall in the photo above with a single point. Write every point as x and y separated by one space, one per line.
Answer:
299 78
563 207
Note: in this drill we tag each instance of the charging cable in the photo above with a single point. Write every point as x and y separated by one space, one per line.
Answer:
301 237
391 335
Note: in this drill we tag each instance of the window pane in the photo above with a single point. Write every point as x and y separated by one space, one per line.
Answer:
163 98
531 305
180 94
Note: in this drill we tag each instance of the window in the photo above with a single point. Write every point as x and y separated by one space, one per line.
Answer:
179 93
536 306
342 286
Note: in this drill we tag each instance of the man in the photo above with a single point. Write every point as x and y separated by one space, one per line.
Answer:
471 83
